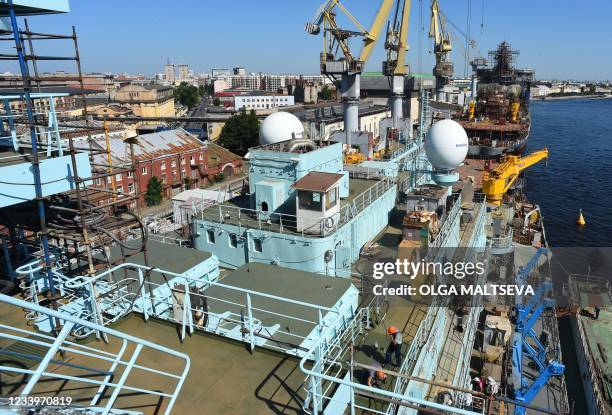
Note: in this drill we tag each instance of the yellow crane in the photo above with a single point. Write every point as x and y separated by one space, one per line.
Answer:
497 182
335 38
444 68
337 58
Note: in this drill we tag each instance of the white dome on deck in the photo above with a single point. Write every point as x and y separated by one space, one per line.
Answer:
280 126
446 144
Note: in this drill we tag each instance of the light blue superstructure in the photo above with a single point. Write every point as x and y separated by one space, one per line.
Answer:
266 232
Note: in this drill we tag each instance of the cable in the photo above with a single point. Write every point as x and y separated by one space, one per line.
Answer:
33 184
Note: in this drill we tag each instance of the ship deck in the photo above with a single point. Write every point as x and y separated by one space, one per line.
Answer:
598 336
224 376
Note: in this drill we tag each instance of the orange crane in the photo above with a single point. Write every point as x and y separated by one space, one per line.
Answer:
496 183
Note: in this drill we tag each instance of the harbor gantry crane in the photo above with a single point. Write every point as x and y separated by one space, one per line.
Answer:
337 58
443 70
497 182
395 67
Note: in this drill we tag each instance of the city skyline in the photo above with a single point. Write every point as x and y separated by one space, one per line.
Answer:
207 36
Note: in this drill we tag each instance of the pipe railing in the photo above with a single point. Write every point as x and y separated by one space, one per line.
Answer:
287 223
48 368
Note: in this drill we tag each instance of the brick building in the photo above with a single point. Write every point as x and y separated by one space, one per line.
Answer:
178 159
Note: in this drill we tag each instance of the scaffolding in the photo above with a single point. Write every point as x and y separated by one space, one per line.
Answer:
71 229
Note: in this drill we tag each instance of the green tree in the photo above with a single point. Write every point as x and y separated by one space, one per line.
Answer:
187 95
240 132
216 102
326 93
154 192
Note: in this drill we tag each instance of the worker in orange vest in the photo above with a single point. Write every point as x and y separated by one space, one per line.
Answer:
395 346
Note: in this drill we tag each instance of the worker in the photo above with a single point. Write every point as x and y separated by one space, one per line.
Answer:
395 346
376 376
597 311
477 384
492 387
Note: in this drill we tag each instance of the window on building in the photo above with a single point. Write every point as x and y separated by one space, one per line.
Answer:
131 188
143 170
109 179
233 240
118 177
173 164
182 162
164 179
163 165
210 236
130 174
331 198
201 156
309 200
257 245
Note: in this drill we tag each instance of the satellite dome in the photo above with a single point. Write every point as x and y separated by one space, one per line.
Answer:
280 126
446 144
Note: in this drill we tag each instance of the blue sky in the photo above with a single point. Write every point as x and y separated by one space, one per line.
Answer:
558 38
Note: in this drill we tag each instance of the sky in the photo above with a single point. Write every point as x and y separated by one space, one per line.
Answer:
560 39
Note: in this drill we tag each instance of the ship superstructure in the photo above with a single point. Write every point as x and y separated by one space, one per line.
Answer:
497 117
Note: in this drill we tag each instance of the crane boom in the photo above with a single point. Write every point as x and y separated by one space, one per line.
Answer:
443 70
497 182
373 34
397 42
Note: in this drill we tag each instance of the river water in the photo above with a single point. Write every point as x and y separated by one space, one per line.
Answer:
578 134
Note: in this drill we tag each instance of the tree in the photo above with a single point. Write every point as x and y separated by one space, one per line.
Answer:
326 93
187 95
216 102
240 132
154 192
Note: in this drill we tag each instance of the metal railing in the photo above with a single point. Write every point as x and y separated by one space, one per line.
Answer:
103 299
286 223
320 378
49 367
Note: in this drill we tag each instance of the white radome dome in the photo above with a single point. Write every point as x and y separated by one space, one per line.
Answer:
280 126
446 144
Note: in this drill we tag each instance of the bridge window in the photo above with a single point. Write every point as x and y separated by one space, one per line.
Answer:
257 245
309 200
210 235
233 240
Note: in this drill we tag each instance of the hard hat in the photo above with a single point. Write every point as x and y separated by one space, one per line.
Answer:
381 375
392 330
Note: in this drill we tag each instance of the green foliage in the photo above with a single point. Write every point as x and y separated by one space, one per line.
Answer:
187 95
326 93
205 90
216 102
219 177
154 192
240 132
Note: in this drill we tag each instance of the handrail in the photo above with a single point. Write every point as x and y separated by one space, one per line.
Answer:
316 347
287 223
62 344
88 280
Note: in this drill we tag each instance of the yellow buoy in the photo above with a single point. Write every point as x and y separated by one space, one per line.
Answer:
581 220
